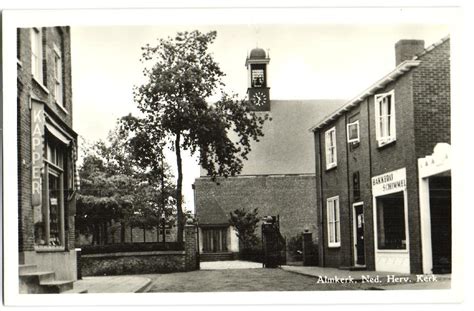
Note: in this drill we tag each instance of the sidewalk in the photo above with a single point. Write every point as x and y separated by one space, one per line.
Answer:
113 284
375 279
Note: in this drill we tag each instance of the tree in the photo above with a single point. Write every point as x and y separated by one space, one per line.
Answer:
174 101
116 187
146 152
245 223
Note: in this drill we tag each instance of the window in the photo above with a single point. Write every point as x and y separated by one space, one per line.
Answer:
353 132
391 221
334 226
331 152
385 118
50 222
257 78
37 54
58 76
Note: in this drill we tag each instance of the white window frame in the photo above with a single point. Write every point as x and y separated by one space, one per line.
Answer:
385 129
333 218
58 76
37 54
331 149
353 140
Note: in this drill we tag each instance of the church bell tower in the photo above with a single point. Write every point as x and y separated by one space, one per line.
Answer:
258 91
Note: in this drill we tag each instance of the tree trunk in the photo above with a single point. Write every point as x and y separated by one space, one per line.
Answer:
122 232
179 189
163 202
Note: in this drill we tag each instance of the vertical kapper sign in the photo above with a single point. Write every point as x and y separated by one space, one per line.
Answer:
37 143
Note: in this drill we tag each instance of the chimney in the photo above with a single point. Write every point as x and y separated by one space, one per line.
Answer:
406 49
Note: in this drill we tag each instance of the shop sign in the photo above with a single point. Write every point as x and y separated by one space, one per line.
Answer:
37 145
390 182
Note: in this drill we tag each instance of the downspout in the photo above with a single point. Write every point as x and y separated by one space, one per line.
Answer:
370 177
351 237
321 221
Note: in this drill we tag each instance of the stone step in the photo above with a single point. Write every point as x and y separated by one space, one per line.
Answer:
41 276
216 256
27 269
56 287
30 281
354 268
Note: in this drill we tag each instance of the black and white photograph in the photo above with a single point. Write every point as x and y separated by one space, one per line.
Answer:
302 153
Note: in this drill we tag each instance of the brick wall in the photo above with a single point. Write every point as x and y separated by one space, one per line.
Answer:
144 262
431 93
42 91
422 109
291 197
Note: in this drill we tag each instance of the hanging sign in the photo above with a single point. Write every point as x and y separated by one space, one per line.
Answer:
37 145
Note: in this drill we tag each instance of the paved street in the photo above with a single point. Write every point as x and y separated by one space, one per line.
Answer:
242 276
238 280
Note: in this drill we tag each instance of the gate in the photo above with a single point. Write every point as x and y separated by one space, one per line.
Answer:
273 243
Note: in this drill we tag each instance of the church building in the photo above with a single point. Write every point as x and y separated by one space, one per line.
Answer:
279 176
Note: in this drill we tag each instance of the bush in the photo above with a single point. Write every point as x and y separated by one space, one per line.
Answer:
132 247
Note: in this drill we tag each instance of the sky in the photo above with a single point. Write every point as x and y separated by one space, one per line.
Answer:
307 62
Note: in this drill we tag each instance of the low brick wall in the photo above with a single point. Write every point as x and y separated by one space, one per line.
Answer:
137 262
133 263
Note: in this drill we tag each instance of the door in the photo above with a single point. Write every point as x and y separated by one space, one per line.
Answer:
440 212
214 240
359 243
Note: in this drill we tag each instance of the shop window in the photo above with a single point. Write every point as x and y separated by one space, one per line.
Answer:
391 221
50 225
330 146
37 54
58 76
334 227
353 132
385 118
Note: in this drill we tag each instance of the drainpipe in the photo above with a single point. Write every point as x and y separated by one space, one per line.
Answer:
321 221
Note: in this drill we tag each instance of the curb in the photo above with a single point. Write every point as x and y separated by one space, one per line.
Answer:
144 288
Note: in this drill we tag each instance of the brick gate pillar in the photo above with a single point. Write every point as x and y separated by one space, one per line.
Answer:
307 248
190 247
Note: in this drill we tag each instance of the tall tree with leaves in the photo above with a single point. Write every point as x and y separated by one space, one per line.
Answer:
117 185
181 78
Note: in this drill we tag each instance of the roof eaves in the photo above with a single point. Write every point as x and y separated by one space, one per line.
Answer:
392 76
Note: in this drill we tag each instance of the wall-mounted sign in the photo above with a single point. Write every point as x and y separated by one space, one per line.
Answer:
390 182
37 144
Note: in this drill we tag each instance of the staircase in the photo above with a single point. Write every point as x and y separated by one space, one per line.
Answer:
216 256
33 281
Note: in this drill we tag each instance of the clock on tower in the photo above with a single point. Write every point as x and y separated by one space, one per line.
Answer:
258 91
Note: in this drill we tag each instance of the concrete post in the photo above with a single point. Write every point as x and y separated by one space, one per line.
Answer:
307 248
190 247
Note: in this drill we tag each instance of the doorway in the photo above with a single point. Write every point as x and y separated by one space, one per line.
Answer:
440 218
214 240
359 243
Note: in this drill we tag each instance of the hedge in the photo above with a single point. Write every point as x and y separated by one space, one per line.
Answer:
131 247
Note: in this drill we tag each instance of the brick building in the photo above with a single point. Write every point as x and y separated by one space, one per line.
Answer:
383 173
47 148
278 177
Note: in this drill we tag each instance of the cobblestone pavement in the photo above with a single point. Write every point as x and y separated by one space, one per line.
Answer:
241 280
237 276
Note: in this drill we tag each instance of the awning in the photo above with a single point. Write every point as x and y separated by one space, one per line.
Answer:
58 134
